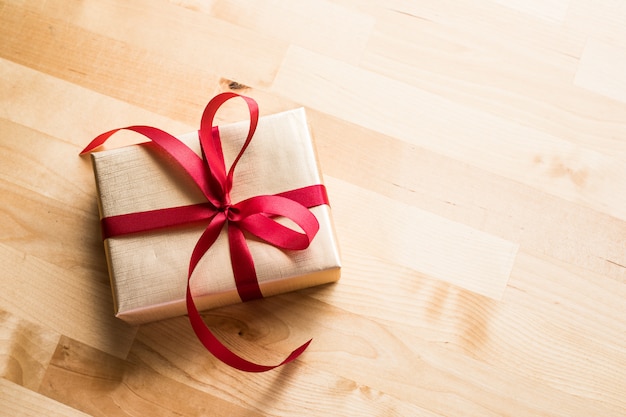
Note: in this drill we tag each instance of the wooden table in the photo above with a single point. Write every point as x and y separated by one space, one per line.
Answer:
475 157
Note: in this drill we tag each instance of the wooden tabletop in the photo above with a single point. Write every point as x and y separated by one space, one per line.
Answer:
475 157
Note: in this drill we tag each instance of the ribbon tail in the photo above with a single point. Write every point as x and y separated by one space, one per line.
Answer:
243 265
217 348
204 334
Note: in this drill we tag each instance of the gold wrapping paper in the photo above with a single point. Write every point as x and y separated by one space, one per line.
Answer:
148 271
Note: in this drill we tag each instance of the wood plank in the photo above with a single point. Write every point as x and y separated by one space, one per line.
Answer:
422 241
521 153
152 381
388 359
600 21
154 85
465 194
602 68
79 373
59 100
16 400
58 301
582 343
153 31
25 350
531 83
542 321
318 26
172 351
554 11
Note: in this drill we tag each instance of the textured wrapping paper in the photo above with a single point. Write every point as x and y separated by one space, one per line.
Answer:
149 270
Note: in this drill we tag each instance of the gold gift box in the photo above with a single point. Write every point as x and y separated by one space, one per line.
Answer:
148 270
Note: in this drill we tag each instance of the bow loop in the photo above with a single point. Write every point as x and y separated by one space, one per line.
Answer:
212 146
258 215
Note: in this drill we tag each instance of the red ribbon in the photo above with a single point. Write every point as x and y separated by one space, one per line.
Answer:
254 215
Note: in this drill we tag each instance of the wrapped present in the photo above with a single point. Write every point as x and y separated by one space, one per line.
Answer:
184 234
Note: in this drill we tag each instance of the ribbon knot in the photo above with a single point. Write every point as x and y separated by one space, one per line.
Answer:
227 209
257 215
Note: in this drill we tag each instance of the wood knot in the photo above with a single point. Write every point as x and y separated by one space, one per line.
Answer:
233 85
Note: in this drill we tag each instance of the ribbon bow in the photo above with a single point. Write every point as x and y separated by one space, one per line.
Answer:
254 215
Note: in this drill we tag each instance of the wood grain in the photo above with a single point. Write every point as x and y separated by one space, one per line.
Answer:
475 157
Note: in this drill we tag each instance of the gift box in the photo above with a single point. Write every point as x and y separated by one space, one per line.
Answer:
149 269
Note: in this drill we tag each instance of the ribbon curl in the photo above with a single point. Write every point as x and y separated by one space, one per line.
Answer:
254 215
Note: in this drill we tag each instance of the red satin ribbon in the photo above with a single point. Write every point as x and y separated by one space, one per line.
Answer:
254 215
